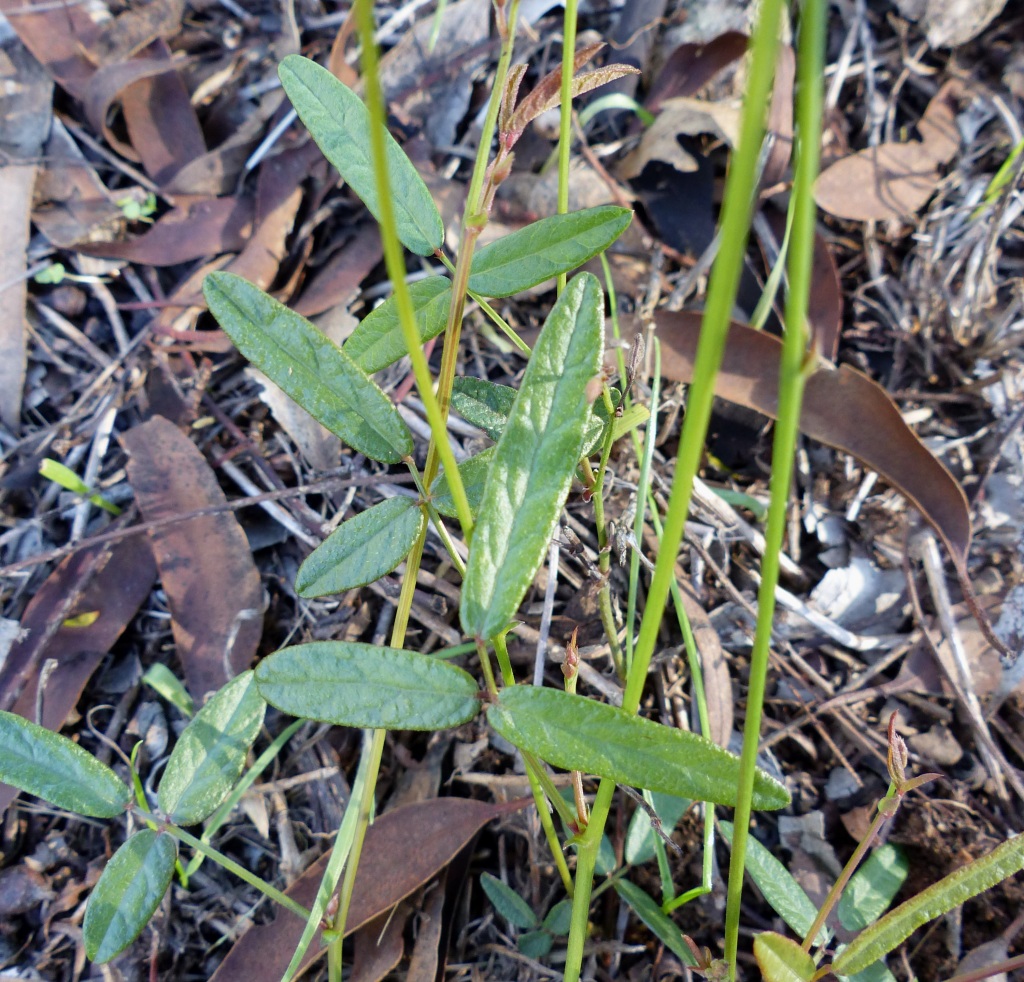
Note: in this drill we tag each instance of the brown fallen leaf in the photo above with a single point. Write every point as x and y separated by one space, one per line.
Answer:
206 566
71 204
135 28
337 282
111 84
780 120
379 945
950 23
403 850
691 66
201 229
113 583
893 180
842 408
714 667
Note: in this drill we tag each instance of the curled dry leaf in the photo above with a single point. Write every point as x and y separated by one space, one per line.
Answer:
842 408
206 567
893 179
691 66
113 584
425 837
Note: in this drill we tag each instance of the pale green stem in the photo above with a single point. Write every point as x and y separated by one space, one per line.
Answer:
544 814
565 112
792 376
227 862
741 187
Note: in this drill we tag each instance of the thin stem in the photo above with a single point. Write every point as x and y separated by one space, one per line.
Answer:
544 814
792 376
836 892
565 113
741 186
229 864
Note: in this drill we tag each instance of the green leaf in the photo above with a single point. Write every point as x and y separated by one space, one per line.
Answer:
50 766
559 918
474 473
508 903
784 895
340 123
534 461
482 403
363 549
166 684
309 367
353 684
210 753
545 249
782 959
656 919
895 927
876 972
576 733
873 887
535 944
128 893
378 340
639 846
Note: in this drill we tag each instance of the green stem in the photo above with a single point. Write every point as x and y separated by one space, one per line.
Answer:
741 187
836 892
792 376
229 864
544 814
565 112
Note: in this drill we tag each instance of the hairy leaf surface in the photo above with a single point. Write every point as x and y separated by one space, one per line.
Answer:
308 366
895 927
50 766
210 753
545 249
354 684
128 893
473 472
534 461
340 123
576 733
362 549
782 959
378 340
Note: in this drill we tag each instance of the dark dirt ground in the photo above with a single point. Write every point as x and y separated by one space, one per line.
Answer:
148 144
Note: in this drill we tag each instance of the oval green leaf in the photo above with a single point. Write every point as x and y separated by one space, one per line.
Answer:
784 895
873 887
580 734
378 340
363 549
128 893
483 403
534 461
782 959
545 249
474 473
353 684
894 928
50 766
340 123
210 753
508 903
656 919
309 367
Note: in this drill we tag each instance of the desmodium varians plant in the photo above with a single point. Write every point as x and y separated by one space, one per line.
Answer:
506 501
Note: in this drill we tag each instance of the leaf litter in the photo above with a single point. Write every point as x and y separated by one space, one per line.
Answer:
918 335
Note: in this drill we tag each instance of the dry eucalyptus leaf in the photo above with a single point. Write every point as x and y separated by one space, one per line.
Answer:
842 408
682 116
892 180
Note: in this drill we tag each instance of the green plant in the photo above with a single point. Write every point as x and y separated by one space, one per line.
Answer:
507 501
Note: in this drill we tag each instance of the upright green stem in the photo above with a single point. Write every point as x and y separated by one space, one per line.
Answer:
565 112
741 187
792 374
